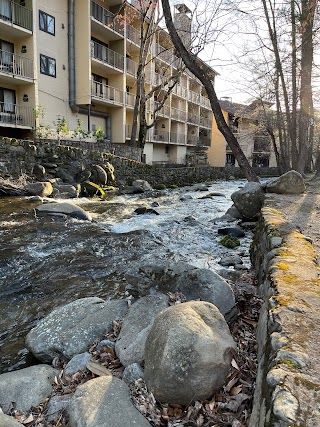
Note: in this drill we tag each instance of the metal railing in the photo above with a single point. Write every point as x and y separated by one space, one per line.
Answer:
180 91
204 102
16 14
161 136
177 138
16 115
106 55
192 139
193 118
106 18
194 97
16 65
205 122
162 52
130 99
133 34
105 92
164 111
132 67
178 114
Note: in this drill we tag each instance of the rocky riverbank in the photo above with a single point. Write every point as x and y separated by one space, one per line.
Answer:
176 359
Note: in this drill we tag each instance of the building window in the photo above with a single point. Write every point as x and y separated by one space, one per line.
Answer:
230 160
47 66
46 23
7 100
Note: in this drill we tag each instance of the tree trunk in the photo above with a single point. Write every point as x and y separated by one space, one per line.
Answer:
191 63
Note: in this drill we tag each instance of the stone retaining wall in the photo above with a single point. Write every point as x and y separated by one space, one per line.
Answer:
287 387
18 157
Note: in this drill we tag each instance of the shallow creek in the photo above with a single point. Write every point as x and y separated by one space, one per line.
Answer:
49 261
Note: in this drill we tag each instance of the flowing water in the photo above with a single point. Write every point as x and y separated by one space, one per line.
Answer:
49 261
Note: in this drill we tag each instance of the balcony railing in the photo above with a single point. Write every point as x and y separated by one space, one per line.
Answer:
164 111
177 138
133 34
180 91
130 99
106 55
160 135
192 139
204 102
132 67
16 14
16 65
193 118
205 141
16 115
178 114
107 93
163 53
194 97
205 122
106 18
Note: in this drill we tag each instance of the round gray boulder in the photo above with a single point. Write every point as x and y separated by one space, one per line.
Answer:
104 402
249 199
26 387
289 183
68 209
188 353
70 329
136 326
42 189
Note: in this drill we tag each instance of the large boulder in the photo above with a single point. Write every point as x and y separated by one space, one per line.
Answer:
26 387
6 421
70 329
249 199
99 175
104 402
289 183
39 171
188 353
65 191
194 283
142 185
42 189
68 209
136 326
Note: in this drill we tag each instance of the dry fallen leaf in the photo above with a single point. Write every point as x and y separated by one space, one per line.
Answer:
29 419
235 365
98 369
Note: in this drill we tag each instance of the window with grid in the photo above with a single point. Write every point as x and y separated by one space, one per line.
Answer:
47 65
46 23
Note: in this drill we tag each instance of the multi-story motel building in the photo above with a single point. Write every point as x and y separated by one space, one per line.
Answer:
77 59
247 126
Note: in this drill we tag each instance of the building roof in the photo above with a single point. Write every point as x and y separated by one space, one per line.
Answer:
242 110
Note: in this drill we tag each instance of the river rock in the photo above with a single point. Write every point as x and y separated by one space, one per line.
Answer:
75 168
188 353
77 363
83 176
99 175
233 231
109 168
66 191
70 329
39 171
231 261
6 421
68 209
194 283
289 183
136 326
140 184
26 387
249 199
144 210
132 373
42 189
65 176
56 405
104 402
233 211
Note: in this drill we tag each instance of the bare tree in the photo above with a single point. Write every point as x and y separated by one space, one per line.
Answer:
199 69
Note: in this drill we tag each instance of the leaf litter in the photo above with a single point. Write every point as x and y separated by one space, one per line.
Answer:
230 407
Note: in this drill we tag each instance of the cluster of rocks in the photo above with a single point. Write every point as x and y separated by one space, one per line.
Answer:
183 351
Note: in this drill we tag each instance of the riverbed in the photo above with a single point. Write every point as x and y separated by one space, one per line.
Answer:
49 261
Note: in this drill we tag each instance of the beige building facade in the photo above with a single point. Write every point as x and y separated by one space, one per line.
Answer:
76 61
253 139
